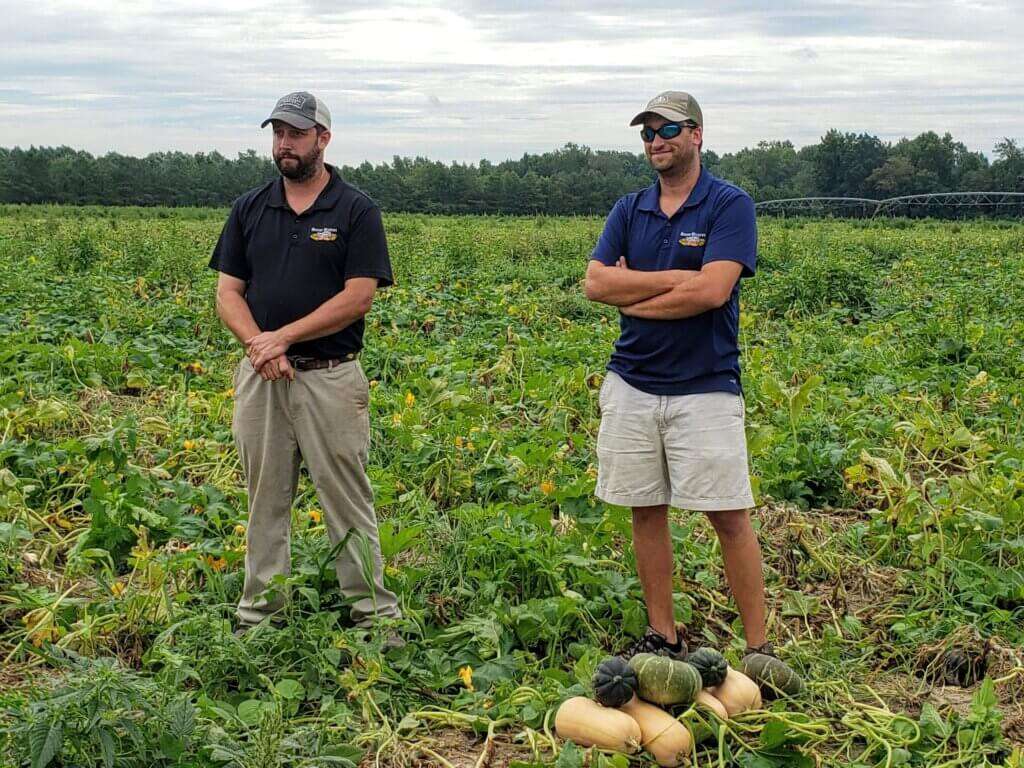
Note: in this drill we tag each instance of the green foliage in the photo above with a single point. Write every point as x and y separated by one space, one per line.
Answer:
102 714
882 376
571 180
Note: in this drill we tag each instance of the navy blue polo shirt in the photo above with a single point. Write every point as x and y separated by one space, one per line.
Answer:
292 264
695 354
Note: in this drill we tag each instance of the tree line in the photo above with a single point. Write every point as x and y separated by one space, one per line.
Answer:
572 180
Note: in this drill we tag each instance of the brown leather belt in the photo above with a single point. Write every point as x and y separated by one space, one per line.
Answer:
316 363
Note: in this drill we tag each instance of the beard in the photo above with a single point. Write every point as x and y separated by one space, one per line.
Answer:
675 164
299 167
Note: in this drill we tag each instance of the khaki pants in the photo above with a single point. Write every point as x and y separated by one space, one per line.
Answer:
322 417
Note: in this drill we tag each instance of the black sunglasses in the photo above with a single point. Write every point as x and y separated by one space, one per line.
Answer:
667 131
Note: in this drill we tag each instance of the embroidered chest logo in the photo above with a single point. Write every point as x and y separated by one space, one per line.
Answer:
693 239
323 234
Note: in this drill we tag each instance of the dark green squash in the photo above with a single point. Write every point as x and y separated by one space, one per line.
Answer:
661 680
772 675
711 665
614 682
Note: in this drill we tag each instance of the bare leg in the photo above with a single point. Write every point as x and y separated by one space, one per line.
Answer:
652 544
741 553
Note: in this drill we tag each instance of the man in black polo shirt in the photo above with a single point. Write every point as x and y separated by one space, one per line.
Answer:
299 261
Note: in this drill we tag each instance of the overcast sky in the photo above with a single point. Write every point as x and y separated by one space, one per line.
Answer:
490 78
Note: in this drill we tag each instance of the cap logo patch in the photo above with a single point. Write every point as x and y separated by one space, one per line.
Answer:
293 100
323 234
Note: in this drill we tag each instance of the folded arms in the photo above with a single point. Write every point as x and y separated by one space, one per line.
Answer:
669 294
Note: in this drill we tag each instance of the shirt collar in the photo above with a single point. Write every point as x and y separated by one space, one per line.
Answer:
326 200
650 197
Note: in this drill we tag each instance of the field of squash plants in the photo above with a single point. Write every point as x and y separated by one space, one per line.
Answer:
884 372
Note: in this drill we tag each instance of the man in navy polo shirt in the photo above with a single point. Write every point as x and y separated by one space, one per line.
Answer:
670 258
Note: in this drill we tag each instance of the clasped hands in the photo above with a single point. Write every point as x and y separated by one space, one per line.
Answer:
266 352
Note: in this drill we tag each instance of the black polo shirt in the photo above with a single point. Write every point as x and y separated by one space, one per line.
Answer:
293 264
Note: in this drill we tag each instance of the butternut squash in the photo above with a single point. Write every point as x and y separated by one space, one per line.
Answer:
707 701
588 724
737 693
705 708
661 734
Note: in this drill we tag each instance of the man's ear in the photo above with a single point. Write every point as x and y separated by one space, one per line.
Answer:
323 139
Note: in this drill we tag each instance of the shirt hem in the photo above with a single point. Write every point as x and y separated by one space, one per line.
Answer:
220 268
386 280
722 382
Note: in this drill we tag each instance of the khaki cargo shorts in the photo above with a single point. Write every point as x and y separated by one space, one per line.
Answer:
689 451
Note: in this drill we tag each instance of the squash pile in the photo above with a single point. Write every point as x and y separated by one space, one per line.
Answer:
625 716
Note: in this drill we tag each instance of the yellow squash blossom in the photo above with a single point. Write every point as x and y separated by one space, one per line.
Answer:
466 676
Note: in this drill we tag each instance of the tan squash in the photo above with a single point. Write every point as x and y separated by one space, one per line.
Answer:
585 722
737 693
705 708
661 734
707 701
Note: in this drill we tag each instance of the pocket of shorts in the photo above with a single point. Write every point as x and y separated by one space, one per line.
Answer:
602 393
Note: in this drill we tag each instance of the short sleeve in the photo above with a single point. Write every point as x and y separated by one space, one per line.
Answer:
612 243
229 253
733 235
367 254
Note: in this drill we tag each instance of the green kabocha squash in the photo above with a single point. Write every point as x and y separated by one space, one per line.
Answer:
662 680
614 682
711 665
771 674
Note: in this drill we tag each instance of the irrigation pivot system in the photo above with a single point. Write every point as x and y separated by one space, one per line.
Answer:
944 205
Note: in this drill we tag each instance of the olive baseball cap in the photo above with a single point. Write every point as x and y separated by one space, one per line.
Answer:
677 106
300 109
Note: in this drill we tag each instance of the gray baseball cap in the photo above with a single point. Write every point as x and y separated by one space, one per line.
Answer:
300 109
677 106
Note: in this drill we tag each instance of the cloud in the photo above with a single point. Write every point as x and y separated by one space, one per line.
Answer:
493 78
805 53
